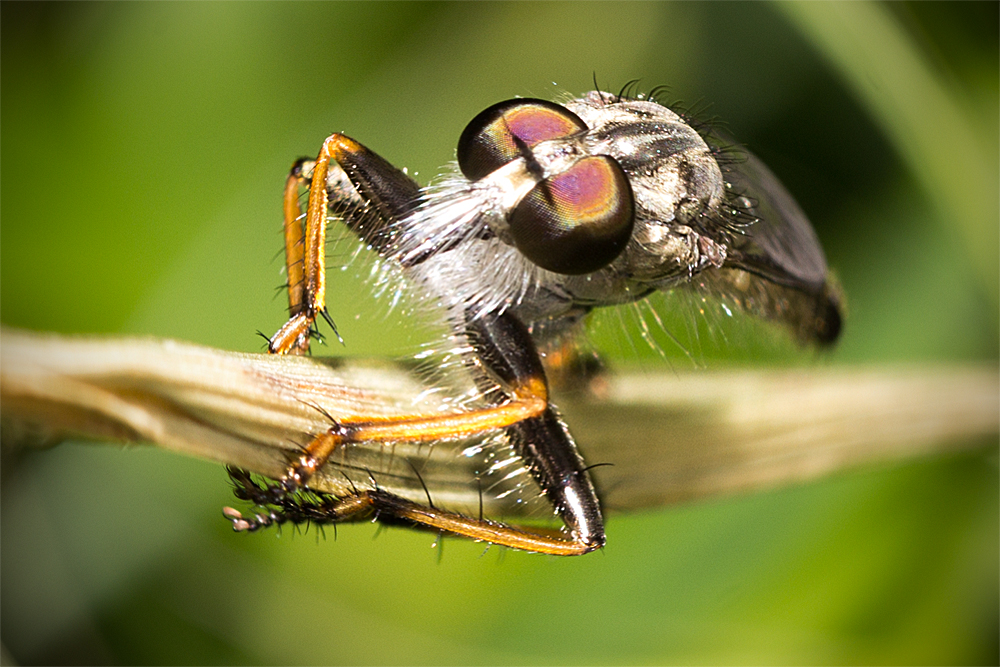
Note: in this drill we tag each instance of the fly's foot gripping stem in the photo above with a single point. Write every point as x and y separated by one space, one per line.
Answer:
311 507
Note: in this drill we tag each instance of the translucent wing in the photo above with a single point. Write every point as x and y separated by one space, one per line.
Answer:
780 244
775 267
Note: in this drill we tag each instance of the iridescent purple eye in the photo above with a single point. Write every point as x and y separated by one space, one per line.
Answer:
492 138
577 221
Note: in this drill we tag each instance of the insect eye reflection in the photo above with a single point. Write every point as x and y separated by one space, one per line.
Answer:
578 221
505 131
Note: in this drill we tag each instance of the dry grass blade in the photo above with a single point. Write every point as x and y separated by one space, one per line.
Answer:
669 437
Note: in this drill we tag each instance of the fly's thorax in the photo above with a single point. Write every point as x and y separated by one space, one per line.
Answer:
673 171
677 184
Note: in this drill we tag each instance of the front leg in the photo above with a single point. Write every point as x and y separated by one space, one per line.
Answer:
383 195
507 353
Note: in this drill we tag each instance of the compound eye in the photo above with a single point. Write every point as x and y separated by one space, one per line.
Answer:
498 135
577 221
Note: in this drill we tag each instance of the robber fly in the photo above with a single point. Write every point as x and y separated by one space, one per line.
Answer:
553 210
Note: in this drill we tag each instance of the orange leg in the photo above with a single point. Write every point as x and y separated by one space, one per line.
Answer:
305 249
294 262
323 509
525 403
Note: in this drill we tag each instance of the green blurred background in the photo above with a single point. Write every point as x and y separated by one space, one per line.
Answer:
144 148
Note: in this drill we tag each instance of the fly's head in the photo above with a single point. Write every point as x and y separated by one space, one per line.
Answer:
597 184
